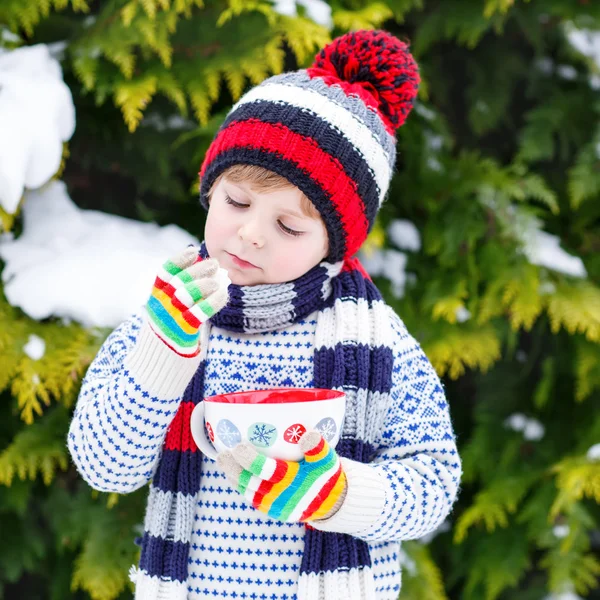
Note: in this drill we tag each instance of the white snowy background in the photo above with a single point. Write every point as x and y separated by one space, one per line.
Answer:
96 268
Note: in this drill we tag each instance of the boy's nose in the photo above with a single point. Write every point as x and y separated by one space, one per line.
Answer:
251 234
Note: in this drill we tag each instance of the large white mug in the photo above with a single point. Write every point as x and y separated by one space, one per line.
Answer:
272 420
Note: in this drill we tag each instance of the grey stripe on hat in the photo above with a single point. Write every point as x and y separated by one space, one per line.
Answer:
351 103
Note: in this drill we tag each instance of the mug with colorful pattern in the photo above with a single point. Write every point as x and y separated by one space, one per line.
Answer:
273 420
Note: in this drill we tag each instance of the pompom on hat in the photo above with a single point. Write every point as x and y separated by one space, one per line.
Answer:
329 130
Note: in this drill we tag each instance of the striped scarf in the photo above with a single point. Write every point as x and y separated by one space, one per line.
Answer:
352 353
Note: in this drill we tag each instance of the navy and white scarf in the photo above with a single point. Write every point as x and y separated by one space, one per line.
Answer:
353 353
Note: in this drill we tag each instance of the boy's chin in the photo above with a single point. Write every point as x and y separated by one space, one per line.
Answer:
238 278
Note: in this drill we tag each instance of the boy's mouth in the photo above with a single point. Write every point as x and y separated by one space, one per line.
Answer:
240 262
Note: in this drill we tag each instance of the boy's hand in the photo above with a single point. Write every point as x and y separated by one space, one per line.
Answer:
187 291
311 489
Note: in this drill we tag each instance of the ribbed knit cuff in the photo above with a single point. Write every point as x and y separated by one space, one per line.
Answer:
158 369
364 502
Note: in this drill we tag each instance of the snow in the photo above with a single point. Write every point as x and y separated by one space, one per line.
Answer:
545 65
547 288
88 266
561 531
160 123
593 453
462 314
35 347
585 41
516 422
390 264
568 594
567 72
6 35
317 10
36 116
532 429
57 50
543 249
434 141
424 111
404 235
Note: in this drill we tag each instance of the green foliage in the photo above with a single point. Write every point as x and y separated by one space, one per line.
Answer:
68 351
421 579
39 448
503 143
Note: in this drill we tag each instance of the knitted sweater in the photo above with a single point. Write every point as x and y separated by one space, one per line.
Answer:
132 391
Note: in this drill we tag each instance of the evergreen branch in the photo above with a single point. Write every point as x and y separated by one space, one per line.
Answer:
456 20
452 300
568 562
587 369
101 569
133 96
500 561
576 478
422 578
368 17
238 7
497 6
521 297
34 381
537 137
463 347
576 307
493 505
28 15
533 186
584 175
27 388
304 37
37 448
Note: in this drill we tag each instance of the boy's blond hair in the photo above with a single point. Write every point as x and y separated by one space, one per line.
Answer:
263 180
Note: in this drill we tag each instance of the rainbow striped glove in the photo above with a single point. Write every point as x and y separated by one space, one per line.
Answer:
187 291
311 489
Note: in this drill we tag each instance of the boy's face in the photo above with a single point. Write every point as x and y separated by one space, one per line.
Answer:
256 227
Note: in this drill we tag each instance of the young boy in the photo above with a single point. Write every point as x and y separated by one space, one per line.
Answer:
292 183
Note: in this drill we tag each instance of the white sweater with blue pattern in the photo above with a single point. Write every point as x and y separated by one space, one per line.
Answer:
236 552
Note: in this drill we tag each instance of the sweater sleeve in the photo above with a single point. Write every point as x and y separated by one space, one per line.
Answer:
128 398
410 487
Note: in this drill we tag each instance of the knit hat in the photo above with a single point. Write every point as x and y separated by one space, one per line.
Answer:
329 130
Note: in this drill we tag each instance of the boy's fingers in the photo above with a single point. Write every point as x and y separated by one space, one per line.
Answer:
197 290
230 467
310 441
218 299
253 461
184 259
206 268
194 294
245 483
207 307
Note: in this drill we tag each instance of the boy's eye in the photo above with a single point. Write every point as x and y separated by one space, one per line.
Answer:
234 203
285 229
288 230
